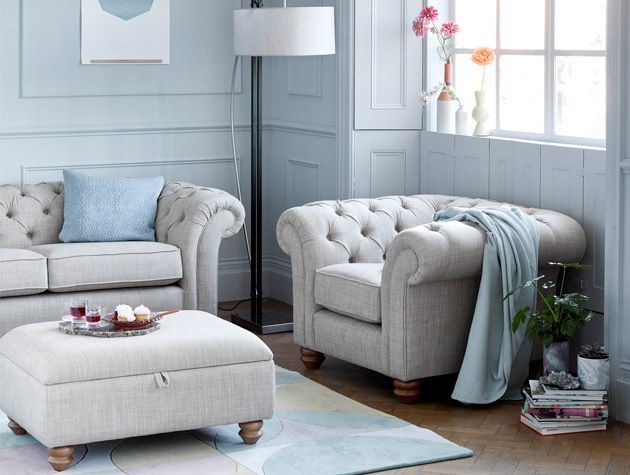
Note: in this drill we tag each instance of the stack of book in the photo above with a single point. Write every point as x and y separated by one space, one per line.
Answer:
551 411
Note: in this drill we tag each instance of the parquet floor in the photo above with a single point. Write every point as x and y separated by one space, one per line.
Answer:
501 444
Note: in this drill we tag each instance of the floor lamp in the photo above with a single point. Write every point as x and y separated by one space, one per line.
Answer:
259 32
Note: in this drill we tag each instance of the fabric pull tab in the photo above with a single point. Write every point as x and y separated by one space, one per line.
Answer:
162 379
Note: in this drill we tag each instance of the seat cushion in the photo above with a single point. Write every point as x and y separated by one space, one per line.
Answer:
22 272
110 265
186 340
353 290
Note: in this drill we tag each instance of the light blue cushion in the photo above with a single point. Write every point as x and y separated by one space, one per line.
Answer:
109 208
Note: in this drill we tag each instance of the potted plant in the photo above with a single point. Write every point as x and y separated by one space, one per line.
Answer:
556 322
594 367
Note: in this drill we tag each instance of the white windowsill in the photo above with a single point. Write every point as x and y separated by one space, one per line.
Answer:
530 141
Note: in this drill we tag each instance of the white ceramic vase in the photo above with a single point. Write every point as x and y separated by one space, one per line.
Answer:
461 121
594 374
481 115
446 116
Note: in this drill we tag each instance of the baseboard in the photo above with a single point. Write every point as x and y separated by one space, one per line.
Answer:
234 279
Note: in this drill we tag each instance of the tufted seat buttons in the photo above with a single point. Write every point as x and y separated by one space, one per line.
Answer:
46 211
329 237
57 192
29 235
9 215
364 232
384 256
351 260
338 212
22 194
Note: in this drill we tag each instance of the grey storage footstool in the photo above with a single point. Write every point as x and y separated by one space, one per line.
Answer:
196 371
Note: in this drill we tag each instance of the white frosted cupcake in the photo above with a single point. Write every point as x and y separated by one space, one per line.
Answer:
124 313
142 313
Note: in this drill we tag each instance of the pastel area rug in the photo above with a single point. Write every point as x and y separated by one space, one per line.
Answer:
315 431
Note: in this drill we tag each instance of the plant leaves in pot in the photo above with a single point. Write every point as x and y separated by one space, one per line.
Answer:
556 320
594 367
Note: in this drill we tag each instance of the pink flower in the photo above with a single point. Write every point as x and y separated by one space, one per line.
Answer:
419 27
449 29
429 13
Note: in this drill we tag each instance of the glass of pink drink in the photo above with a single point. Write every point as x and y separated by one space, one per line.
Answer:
76 309
93 315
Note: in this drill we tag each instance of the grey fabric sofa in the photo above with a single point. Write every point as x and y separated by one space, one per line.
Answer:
376 283
38 274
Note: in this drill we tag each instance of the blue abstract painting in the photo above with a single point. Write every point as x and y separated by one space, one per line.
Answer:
126 9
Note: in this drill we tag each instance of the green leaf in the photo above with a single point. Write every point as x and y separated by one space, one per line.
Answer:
571 265
519 318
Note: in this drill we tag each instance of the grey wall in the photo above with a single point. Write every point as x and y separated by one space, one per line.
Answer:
122 119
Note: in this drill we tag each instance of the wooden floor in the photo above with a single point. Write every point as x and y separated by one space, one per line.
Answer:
501 444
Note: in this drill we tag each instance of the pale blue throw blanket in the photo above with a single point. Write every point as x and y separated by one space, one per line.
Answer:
497 360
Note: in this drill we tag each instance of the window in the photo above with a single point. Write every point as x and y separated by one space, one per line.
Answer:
549 78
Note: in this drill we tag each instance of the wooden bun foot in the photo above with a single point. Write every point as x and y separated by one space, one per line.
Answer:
312 359
16 428
60 458
408 392
250 431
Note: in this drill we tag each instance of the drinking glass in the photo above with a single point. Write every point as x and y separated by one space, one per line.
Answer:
93 314
76 309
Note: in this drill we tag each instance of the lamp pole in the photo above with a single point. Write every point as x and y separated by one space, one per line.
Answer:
257 321
256 182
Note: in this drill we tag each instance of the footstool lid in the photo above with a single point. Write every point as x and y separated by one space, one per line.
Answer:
187 340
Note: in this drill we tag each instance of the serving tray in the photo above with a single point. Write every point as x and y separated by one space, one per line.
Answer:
106 331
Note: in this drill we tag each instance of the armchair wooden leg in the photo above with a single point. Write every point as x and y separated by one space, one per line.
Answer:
16 428
312 359
408 392
250 431
60 458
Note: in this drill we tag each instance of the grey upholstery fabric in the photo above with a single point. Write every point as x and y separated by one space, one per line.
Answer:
187 339
430 276
30 215
191 218
351 289
110 265
47 306
197 369
196 219
22 272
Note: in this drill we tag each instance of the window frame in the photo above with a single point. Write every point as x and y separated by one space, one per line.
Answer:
549 54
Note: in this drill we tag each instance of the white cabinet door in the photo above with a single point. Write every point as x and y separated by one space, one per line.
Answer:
562 181
594 224
387 163
388 65
471 166
437 164
515 172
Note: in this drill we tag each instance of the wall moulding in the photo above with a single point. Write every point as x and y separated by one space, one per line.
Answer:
116 129
26 171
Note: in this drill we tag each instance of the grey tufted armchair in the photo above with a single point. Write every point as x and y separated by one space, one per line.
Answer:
38 274
376 283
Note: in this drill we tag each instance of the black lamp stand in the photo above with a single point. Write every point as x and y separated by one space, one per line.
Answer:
257 321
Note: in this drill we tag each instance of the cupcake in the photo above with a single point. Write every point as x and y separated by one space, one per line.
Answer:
142 313
124 313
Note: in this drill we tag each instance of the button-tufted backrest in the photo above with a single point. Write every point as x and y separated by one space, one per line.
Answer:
366 227
30 215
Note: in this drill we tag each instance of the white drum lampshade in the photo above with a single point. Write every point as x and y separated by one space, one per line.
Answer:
293 31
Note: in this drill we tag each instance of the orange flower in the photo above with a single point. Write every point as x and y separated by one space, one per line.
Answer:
482 56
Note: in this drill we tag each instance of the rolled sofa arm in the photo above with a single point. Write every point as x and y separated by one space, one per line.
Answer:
196 219
449 250
430 282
